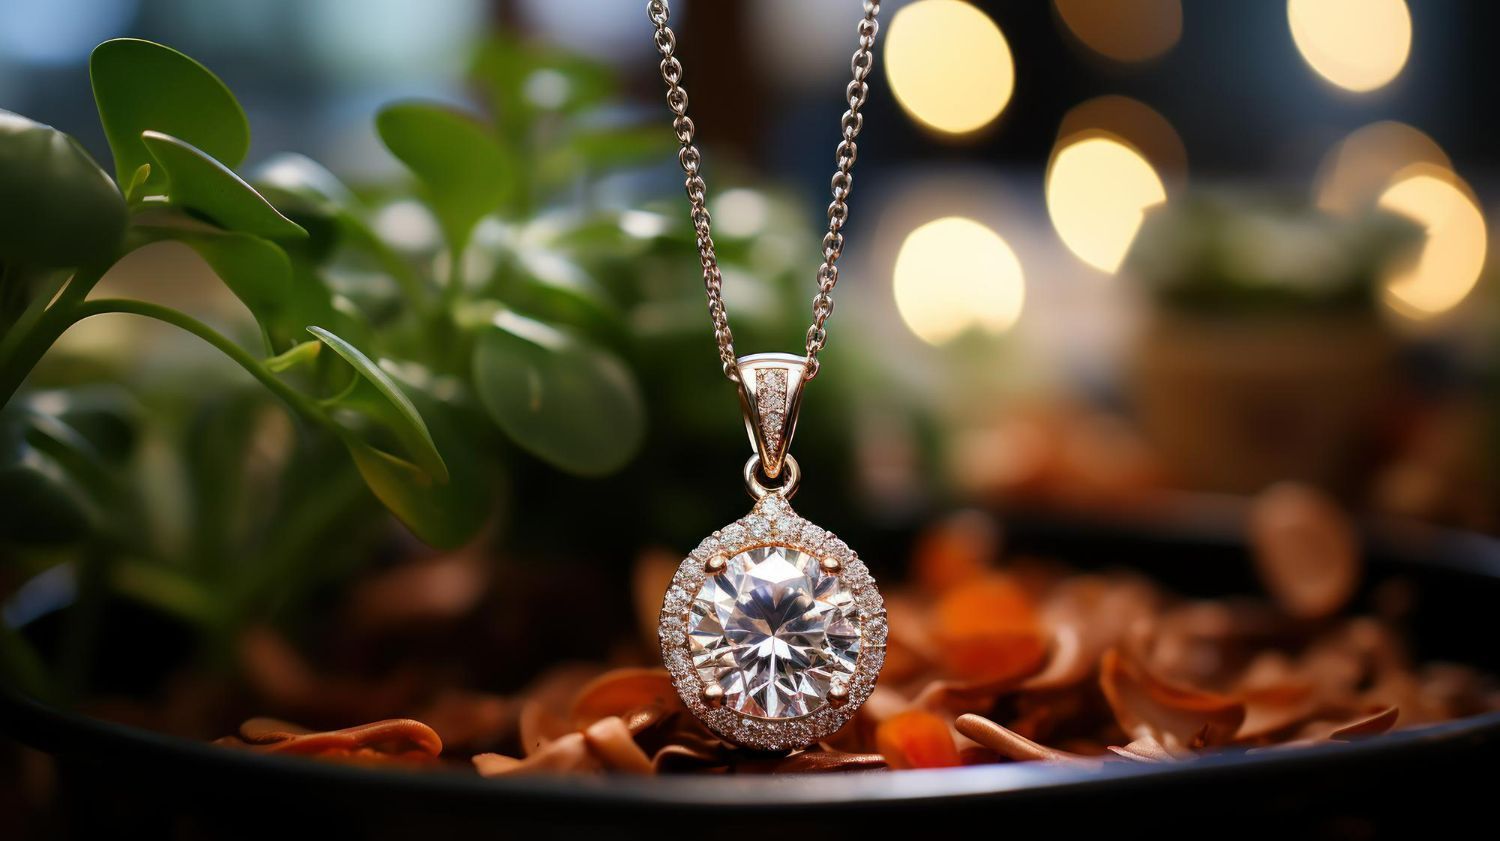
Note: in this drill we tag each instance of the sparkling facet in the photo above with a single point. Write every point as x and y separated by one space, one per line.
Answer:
773 630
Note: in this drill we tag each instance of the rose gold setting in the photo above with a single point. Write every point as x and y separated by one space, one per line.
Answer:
772 522
770 386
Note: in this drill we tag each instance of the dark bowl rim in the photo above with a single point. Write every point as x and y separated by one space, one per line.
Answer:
69 733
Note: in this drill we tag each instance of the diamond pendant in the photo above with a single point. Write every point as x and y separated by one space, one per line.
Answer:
773 630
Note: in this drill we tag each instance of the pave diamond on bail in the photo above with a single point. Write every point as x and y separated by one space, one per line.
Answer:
774 631
773 638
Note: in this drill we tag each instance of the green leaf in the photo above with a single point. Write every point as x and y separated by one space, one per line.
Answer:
255 270
406 490
566 401
198 182
524 79
140 86
302 177
44 504
57 207
444 515
547 284
317 200
376 397
461 166
618 146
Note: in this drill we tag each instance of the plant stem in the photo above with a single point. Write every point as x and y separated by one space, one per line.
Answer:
243 358
455 286
18 359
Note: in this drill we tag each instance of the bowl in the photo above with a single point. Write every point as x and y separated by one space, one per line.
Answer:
127 781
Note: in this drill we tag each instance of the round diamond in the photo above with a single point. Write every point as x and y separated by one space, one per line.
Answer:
774 630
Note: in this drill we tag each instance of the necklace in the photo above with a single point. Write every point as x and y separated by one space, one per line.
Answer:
773 630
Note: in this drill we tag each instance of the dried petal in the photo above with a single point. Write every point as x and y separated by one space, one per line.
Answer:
1306 550
815 760
1087 615
649 580
400 738
1148 749
1147 706
545 714
1010 744
1373 724
611 741
988 632
471 721
1274 709
909 649
422 592
624 692
955 551
567 754
674 759
917 739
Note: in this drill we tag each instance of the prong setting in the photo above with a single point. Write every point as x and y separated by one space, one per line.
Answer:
832 565
716 564
713 695
838 692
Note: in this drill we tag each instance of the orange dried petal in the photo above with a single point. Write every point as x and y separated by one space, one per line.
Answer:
988 631
398 737
916 739
994 604
545 712
610 740
620 692
422 592
1009 743
1147 749
567 754
1146 705
1306 550
1373 724
955 551
1272 709
649 580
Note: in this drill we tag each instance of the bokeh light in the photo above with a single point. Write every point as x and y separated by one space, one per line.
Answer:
1359 45
1357 170
1124 30
1137 123
955 274
1452 257
1098 189
949 65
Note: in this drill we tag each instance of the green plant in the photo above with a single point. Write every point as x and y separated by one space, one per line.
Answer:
1233 254
175 131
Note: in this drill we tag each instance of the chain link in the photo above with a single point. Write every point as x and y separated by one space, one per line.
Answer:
840 185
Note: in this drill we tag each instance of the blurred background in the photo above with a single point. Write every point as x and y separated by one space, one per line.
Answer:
1015 153
1122 258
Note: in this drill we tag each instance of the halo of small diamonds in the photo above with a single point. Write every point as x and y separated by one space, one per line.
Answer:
772 522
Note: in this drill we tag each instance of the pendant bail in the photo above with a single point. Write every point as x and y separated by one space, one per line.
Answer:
770 398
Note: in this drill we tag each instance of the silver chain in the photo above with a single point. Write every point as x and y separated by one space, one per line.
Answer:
840 186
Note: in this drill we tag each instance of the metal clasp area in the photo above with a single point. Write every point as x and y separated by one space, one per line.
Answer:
770 386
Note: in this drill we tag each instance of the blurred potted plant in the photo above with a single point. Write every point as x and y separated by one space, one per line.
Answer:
1265 354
